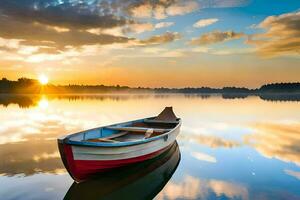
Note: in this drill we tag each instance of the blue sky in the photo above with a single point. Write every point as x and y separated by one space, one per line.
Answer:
202 42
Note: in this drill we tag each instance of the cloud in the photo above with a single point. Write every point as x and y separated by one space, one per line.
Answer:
78 15
253 26
152 51
51 29
164 25
182 8
205 22
135 28
160 12
161 39
216 37
105 13
143 27
222 3
54 26
223 52
277 140
139 28
9 44
5 48
160 9
38 34
116 31
282 36
142 10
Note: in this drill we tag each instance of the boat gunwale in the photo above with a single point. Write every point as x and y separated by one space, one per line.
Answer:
66 138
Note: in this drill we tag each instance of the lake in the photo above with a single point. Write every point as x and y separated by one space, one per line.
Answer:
228 148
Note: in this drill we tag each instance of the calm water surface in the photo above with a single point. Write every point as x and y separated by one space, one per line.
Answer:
227 149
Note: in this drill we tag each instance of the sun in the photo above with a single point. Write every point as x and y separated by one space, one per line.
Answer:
43 79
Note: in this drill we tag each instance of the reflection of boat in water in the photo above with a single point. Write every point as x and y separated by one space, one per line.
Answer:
101 149
141 181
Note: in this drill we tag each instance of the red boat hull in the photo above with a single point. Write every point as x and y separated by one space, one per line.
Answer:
83 169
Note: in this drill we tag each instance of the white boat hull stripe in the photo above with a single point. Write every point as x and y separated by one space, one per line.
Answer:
117 153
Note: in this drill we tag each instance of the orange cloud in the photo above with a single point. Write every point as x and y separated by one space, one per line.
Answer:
164 24
216 37
205 22
282 36
161 9
161 39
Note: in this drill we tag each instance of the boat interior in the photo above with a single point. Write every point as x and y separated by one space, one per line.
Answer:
132 131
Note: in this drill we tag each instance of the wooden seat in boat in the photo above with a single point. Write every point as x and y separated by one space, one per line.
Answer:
101 140
138 129
108 138
160 121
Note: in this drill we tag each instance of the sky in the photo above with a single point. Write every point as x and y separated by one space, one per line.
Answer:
151 43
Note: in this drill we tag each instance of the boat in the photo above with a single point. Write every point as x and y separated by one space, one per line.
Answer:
109 147
130 182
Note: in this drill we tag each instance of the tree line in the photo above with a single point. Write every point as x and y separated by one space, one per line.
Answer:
32 86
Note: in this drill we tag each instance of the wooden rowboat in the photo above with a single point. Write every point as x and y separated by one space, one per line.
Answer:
105 148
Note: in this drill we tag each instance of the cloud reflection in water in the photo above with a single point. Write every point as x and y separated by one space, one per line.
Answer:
195 188
277 140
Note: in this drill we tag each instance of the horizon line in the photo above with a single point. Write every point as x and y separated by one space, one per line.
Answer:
145 87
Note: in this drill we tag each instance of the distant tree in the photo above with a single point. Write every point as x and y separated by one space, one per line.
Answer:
281 88
235 90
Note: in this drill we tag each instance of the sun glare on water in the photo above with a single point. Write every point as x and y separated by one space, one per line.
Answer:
43 79
43 103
